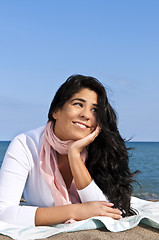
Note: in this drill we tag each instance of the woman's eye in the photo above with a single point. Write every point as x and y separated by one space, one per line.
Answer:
94 110
78 104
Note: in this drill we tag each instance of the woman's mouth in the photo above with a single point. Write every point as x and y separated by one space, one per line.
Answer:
81 125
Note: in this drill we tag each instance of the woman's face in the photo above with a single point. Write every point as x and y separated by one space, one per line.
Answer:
77 118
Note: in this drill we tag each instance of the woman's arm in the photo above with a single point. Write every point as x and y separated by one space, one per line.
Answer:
87 188
54 215
80 173
13 176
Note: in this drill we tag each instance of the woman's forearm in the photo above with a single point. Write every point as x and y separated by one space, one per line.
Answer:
79 171
54 215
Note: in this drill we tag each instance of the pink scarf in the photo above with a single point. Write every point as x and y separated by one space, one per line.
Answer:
50 171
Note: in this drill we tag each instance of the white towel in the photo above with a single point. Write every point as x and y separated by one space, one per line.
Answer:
148 213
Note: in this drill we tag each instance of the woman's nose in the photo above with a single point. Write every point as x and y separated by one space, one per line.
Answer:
85 113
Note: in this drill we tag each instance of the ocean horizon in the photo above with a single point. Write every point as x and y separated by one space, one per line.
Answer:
144 156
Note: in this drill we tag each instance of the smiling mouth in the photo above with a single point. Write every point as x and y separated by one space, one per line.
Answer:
81 125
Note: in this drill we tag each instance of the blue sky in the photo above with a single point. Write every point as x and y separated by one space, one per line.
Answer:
44 42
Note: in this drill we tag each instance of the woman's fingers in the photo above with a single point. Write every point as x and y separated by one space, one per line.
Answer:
95 133
112 212
109 204
98 208
80 144
109 211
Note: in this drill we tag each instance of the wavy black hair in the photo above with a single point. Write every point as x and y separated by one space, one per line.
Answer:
108 157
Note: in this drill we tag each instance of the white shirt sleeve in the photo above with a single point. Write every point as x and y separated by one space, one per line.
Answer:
13 176
92 193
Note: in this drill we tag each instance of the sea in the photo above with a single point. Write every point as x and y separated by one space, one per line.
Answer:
144 156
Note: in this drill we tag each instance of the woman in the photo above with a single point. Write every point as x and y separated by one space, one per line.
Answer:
74 168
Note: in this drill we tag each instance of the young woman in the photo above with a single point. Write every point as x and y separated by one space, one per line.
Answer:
74 168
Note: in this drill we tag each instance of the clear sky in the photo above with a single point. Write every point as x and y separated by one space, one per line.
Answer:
42 42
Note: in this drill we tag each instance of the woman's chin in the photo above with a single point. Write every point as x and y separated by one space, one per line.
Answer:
80 136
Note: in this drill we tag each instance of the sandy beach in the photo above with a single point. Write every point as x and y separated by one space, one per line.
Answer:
138 233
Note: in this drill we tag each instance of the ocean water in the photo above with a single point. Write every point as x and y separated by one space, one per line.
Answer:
3 147
145 157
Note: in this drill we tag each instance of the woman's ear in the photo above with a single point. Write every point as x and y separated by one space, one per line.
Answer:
55 114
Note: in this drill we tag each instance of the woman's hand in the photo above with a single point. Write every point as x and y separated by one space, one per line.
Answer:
96 208
77 146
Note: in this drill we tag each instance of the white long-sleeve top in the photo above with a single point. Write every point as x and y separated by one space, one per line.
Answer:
20 174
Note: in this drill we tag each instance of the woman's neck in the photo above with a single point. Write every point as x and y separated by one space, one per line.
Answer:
64 168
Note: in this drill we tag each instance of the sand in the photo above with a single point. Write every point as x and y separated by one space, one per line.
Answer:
141 232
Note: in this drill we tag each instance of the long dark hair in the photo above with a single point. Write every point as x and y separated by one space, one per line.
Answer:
108 156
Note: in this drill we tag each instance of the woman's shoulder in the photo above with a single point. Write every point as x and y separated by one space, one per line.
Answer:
30 137
35 133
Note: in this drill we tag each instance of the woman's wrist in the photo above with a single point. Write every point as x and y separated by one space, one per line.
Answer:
73 154
75 211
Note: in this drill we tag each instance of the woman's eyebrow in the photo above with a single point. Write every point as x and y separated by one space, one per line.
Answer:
82 100
78 99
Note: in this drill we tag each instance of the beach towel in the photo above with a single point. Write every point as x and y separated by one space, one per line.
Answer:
148 213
